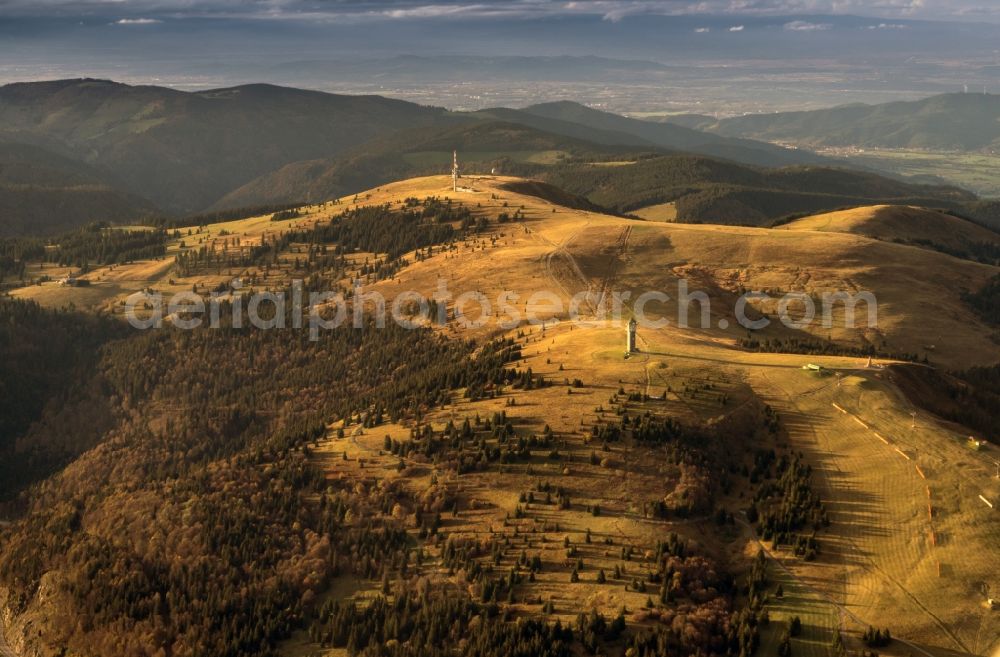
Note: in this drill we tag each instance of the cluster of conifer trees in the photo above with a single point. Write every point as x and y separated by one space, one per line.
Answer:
696 615
46 354
431 625
986 301
787 511
876 638
382 230
387 232
16 253
473 446
987 253
98 244
821 348
92 245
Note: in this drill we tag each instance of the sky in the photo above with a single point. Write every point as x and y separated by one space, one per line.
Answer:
138 13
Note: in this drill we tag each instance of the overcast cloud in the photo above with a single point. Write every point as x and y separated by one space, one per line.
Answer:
611 10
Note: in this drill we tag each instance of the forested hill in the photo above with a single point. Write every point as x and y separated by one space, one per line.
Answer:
42 193
706 190
965 122
183 151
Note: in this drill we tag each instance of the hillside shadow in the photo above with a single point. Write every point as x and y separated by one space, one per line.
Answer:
721 360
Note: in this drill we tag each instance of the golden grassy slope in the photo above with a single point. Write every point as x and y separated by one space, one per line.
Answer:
882 565
894 222
568 251
658 212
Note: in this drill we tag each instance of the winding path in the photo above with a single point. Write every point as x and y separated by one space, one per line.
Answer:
560 249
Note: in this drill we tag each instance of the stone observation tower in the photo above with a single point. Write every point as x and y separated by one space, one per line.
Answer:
454 171
630 344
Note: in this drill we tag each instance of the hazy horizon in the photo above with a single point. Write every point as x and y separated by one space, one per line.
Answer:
757 60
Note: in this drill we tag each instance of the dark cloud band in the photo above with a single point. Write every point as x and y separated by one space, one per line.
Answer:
134 11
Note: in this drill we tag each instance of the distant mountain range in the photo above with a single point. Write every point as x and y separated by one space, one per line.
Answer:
183 151
74 151
664 135
964 122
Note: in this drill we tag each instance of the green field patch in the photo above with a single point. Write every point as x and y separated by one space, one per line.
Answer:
973 171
